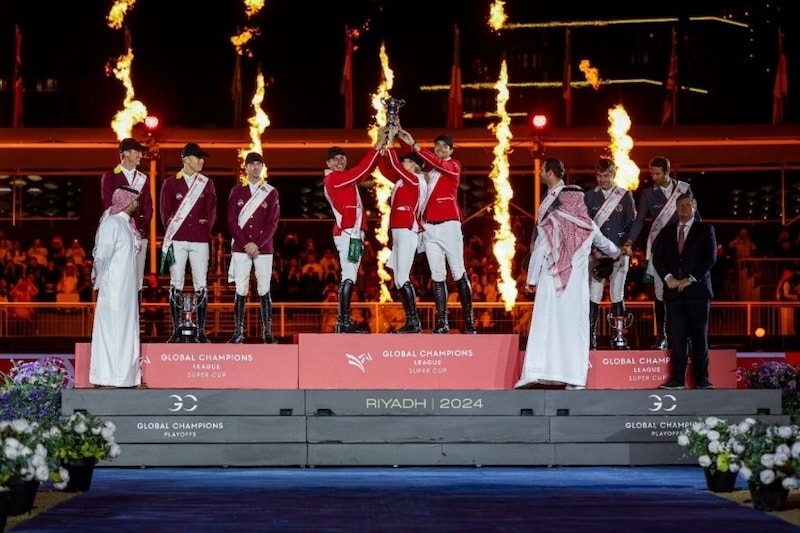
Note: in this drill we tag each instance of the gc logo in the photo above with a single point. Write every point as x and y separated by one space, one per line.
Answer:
666 403
186 403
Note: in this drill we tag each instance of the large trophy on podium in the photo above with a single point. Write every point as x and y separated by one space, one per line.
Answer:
187 331
619 322
393 106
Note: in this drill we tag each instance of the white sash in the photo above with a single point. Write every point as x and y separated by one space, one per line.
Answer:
611 203
665 214
252 204
551 196
433 177
138 181
184 209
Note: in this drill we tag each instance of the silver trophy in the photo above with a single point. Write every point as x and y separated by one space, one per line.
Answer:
619 324
393 106
187 332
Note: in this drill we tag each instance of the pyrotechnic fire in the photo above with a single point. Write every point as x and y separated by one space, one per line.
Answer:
258 123
252 7
383 187
134 111
505 242
497 15
116 16
621 144
591 73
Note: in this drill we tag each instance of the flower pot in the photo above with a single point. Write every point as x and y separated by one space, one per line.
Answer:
720 481
5 498
80 474
22 495
770 497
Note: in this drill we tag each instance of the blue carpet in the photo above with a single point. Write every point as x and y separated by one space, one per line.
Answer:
401 499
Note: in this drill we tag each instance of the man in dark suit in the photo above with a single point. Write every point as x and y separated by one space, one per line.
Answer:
683 255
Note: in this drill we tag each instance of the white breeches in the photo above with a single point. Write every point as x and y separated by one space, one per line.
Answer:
616 283
404 249
197 255
342 242
444 245
242 264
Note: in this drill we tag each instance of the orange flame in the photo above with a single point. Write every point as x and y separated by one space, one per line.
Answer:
240 41
497 15
591 73
258 123
383 187
116 16
133 111
505 242
621 144
252 7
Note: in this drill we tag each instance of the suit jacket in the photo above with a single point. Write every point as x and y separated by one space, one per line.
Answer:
651 201
617 227
405 211
260 227
199 221
698 256
442 202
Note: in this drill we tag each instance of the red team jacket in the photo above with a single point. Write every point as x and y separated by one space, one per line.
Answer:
261 226
405 198
173 191
114 179
341 190
443 197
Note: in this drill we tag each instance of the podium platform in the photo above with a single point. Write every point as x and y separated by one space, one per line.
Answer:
377 400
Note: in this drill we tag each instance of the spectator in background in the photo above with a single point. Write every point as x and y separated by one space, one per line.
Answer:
38 251
25 290
5 246
85 286
50 278
742 245
57 252
76 252
68 282
18 254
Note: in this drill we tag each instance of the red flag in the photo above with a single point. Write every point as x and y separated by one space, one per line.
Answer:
567 84
455 102
17 115
671 85
346 88
781 89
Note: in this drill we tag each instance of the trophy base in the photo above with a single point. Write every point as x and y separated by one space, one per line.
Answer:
187 334
620 344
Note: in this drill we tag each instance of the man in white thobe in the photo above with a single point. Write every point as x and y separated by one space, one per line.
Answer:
115 333
558 342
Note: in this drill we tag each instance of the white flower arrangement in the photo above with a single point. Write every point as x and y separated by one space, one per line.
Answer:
711 440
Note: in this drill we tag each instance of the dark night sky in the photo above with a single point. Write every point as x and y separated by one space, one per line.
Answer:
184 60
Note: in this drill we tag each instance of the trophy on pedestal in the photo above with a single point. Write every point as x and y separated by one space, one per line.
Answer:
393 106
187 331
619 322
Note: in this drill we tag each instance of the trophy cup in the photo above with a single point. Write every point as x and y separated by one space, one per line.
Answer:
619 323
393 106
187 332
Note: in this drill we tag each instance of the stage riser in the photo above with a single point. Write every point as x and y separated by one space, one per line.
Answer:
412 427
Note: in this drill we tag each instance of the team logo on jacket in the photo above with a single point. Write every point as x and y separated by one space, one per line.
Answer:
240 203
179 196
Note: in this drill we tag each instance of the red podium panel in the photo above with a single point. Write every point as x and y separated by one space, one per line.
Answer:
647 369
385 361
208 366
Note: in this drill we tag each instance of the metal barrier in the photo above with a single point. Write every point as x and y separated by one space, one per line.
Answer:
729 321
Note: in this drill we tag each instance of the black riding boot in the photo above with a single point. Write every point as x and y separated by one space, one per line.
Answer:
266 319
239 309
661 326
408 297
343 322
175 305
202 312
465 295
594 311
440 297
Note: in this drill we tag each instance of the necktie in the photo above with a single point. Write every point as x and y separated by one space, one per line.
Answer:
681 237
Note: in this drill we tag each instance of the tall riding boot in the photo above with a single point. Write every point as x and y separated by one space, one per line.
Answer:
266 319
239 309
661 326
465 295
408 297
619 342
202 312
440 297
343 322
175 305
594 311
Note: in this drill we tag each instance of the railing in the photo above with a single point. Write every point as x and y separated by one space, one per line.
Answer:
730 322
